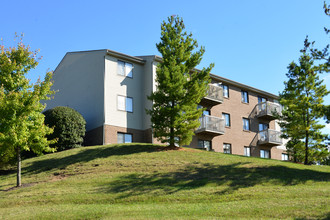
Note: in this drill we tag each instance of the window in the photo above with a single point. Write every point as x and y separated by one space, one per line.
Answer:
124 138
263 126
227 148
264 153
245 97
225 91
125 69
247 151
125 103
285 157
246 124
261 99
204 144
227 119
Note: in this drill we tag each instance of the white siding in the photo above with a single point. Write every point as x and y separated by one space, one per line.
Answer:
149 87
79 81
125 86
278 128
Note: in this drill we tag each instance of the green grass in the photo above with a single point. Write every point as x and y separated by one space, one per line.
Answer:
139 181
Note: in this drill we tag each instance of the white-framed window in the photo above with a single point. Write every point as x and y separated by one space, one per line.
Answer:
264 153
245 96
225 91
124 138
125 69
285 157
227 148
125 103
246 124
205 144
227 119
247 151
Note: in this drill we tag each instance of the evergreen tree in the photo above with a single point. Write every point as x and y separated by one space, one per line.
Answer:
21 121
302 100
180 87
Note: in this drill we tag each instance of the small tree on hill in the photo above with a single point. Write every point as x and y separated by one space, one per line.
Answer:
302 99
69 127
21 121
180 87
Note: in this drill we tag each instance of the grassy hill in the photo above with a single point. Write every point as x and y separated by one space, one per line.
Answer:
140 181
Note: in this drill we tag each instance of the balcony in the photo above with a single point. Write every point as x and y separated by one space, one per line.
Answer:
211 125
268 110
269 137
214 96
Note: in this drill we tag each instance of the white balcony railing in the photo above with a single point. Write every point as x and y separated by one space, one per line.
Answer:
211 124
269 137
268 109
215 93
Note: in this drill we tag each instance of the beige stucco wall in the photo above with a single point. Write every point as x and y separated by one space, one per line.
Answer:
79 82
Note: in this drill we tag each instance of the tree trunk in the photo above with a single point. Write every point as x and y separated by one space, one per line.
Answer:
306 148
172 144
19 183
295 156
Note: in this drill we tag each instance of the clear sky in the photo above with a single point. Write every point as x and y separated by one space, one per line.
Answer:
251 42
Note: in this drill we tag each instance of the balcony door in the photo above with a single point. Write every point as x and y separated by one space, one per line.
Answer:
206 112
261 99
263 126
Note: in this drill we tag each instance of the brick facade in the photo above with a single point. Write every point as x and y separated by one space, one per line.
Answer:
235 135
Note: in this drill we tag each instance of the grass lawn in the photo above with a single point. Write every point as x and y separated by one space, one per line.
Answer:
142 181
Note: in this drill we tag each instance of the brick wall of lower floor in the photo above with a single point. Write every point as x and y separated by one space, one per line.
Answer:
95 137
238 144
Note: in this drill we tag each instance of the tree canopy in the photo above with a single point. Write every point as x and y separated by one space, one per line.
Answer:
303 104
180 87
22 123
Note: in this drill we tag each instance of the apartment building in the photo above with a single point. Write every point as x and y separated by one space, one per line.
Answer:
110 90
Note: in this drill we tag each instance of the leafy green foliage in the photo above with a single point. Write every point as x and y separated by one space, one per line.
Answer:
180 87
69 127
22 123
302 99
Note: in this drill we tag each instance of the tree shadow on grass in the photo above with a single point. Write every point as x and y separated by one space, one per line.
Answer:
234 176
86 155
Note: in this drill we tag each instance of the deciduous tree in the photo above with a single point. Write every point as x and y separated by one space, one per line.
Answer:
21 121
180 87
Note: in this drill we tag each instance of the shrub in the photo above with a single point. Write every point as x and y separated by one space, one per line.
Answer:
69 127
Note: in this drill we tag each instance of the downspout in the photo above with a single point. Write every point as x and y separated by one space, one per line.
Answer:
103 127
152 89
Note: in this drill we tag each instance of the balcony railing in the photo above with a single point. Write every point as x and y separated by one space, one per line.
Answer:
268 110
269 137
214 96
211 125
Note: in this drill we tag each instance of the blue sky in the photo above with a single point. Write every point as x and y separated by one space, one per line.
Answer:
251 42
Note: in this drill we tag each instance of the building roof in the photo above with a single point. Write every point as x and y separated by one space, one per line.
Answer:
141 60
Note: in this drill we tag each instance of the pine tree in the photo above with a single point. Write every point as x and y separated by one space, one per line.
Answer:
302 100
21 121
180 87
